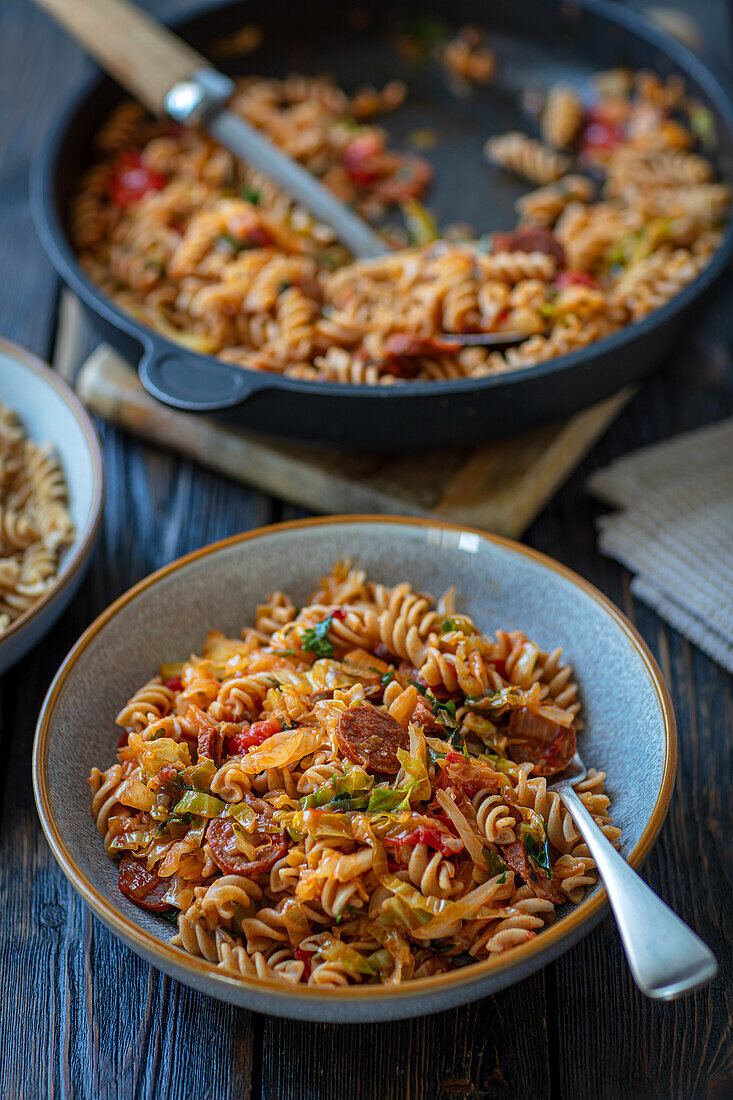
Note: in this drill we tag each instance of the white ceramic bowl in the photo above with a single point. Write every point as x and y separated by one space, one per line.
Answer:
629 732
51 413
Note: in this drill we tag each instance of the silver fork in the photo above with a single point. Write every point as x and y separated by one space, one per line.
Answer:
666 958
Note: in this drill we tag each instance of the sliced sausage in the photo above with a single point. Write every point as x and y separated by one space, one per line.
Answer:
209 737
228 857
371 737
515 856
529 238
424 716
142 886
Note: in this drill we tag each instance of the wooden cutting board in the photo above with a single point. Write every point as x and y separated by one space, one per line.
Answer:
500 487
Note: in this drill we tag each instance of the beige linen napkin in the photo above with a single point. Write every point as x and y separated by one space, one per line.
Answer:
675 531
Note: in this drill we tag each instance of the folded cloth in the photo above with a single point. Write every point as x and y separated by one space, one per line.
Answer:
676 531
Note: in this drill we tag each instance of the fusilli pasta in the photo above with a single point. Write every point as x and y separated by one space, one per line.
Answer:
375 809
35 525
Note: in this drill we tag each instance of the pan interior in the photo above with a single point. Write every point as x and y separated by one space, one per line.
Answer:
537 43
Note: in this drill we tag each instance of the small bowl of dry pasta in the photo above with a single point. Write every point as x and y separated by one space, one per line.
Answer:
316 765
51 491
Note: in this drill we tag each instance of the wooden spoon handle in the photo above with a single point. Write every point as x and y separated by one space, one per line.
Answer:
143 56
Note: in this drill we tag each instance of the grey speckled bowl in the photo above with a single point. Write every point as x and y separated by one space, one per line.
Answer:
630 730
50 413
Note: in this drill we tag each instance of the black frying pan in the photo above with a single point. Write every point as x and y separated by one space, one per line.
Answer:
538 42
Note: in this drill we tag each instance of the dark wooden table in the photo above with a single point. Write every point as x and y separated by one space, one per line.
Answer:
80 1015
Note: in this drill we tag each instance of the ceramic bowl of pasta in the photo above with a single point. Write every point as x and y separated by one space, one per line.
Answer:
316 765
51 490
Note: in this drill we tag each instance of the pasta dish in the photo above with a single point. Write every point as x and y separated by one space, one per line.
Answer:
351 792
625 212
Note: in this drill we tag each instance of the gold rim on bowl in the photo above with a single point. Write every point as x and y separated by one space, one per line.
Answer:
156 950
86 537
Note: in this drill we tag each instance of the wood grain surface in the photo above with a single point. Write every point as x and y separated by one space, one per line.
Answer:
80 1016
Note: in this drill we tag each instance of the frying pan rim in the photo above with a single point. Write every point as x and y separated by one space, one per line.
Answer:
46 216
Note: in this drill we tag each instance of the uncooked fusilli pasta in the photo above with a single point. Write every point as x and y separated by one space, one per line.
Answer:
352 792
35 525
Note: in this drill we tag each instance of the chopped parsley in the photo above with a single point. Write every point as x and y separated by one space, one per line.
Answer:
171 915
251 194
494 862
315 639
231 242
539 852
387 678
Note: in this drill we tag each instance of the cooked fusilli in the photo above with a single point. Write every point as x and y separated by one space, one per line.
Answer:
353 792
213 255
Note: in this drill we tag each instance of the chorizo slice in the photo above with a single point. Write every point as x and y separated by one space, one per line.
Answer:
208 734
529 238
423 715
231 860
371 737
515 856
141 886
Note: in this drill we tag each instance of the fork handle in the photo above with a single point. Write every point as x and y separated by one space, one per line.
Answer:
666 958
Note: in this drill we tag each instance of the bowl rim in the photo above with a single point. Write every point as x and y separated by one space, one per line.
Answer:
85 538
564 932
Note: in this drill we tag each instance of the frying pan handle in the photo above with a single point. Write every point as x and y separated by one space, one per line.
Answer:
199 385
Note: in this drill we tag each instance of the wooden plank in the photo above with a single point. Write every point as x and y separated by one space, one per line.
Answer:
494 1048
500 487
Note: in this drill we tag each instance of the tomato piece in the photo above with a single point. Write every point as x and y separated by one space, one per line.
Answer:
259 237
601 133
572 277
141 886
227 855
558 755
123 740
305 958
432 836
360 157
407 177
253 735
176 684
131 180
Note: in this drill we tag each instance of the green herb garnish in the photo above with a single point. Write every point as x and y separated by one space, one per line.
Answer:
494 862
315 639
251 194
231 242
539 852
